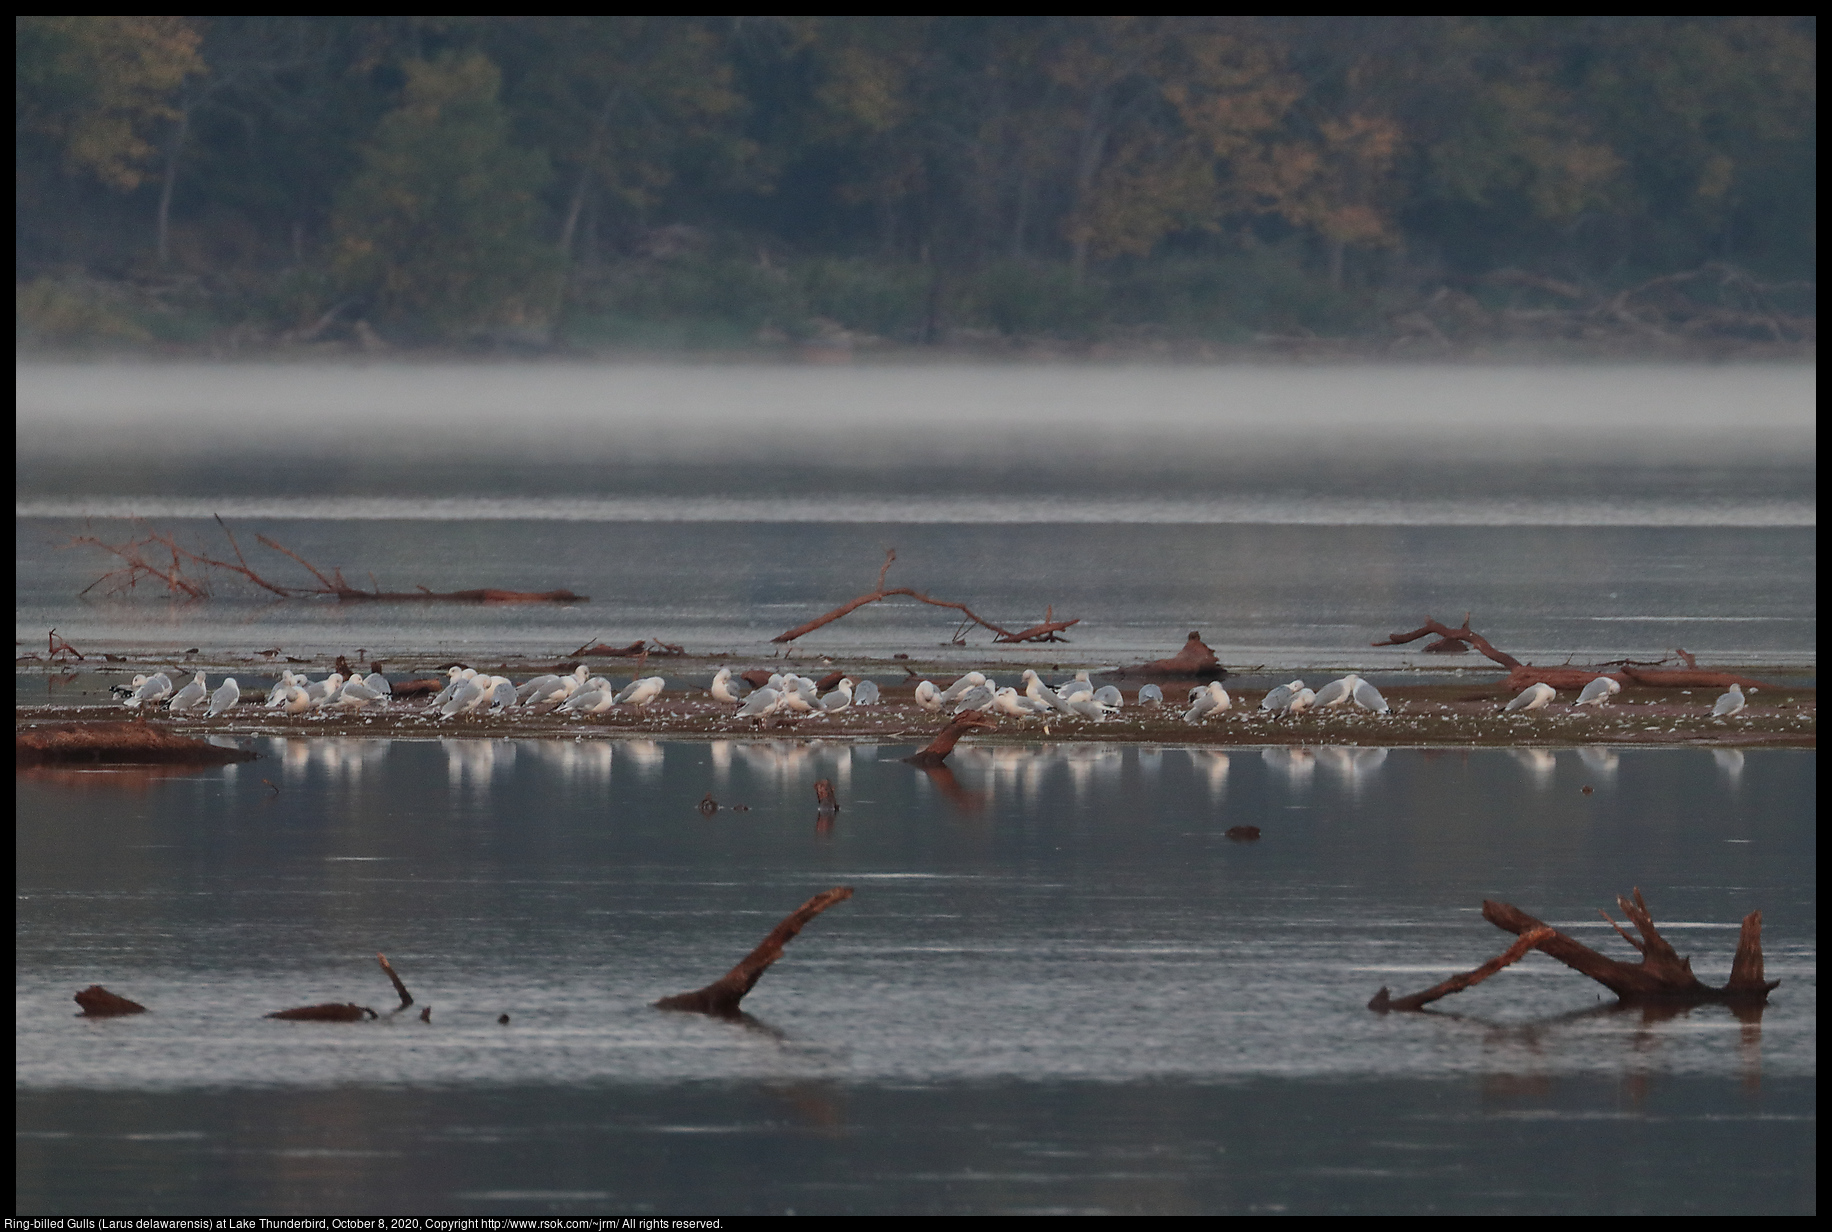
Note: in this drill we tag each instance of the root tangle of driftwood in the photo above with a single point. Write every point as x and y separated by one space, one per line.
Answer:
721 997
1662 974
1521 675
1048 631
346 1011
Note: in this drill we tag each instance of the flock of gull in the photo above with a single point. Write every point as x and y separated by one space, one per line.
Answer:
468 691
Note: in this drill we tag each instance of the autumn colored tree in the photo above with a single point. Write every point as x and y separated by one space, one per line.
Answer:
440 227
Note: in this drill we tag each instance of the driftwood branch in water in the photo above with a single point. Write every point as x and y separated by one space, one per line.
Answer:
721 997
388 968
98 1002
1520 675
1662 974
937 750
1043 632
1382 1002
157 554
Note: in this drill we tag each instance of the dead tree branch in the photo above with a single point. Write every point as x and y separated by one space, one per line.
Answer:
1457 983
1662 974
388 968
721 997
1042 632
1520 675
937 750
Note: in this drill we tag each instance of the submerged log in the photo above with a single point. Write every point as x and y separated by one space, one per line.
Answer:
826 800
1662 974
1194 659
98 1002
118 744
1382 1002
486 595
937 750
721 997
330 1011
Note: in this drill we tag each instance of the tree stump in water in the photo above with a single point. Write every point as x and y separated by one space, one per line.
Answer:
98 1002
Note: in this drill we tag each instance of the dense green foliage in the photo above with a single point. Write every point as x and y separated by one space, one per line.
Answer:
698 180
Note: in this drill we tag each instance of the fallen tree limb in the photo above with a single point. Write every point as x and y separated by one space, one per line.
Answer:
118 744
1043 632
157 554
330 1011
1457 983
937 750
1521 675
388 968
1661 974
721 997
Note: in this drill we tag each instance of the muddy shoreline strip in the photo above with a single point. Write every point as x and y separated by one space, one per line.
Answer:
1454 714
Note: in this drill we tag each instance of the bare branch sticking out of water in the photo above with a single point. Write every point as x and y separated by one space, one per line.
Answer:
157 555
1048 631
1662 975
721 997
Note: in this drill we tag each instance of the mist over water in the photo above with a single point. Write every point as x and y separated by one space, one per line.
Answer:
1294 514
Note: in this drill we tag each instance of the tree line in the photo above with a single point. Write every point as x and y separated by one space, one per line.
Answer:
452 178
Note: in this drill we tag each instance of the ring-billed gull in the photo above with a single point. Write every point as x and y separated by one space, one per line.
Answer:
1337 692
1533 697
927 695
727 689
1280 697
760 702
840 699
865 693
1368 697
189 697
972 680
642 692
1729 703
1151 695
1598 692
227 694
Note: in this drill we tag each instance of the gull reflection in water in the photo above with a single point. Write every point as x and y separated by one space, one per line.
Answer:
1212 764
1539 765
1730 764
790 767
1298 764
1599 761
645 755
721 752
1356 767
1151 761
476 762
1089 762
576 760
336 759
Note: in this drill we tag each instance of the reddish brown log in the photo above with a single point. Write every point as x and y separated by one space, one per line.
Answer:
1662 974
722 996
756 677
388 969
330 1011
1703 678
1193 660
414 688
1557 677
938 749
1457 983
830 681
98 1002
487 595
826 800
1242 834
118 744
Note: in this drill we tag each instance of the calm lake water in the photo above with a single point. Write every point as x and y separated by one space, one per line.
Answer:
1292 514
1059 986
